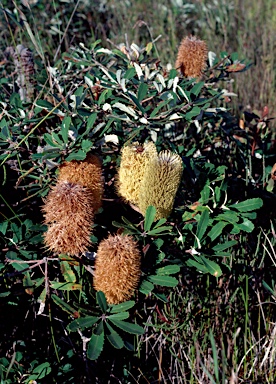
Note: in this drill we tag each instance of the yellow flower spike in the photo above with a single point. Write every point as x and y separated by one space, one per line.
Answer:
191 57
68 212
87 173
117 268
135 159
160 184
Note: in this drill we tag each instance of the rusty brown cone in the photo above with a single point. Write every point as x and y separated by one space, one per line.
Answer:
191 57
117 268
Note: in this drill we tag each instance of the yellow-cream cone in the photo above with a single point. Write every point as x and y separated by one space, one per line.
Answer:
134 161
160 184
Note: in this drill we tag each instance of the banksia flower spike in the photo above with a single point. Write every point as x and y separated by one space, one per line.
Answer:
191 57
87 173
160 184
70 206
117 268
134 161
68 212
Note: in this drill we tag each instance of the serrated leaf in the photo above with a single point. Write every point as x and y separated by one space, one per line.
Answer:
114 338
202 224
160 230
116 308
146 287
217 230
64 306
222 247
101 300
119 316
95 346
164 281
200 267
168 270
149 217
67 272
79 155
246 226
128 327
212 267
65 286
248 205
82 323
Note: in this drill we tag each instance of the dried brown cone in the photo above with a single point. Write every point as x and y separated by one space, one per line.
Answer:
68 212
134 160
191 57
87 173
117 268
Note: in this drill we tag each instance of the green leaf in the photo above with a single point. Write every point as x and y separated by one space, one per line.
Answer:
164 281
82 323
222 247
160 230
248 205
79 155
197 88
212 267
128 327
142 91
101 300
168 270
45 104
65 286
95 346
42 370
202 224
268 288
66 122
195 111
230 216
246 226
122 307
146 287
149 217
200 267
63 305
217 230
119 316
114 338
67 272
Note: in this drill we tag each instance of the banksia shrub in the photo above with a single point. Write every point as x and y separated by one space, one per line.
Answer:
87 173
160 184
117 268
68 212
191 57
134 161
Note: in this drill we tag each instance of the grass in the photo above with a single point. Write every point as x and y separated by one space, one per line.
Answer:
204 330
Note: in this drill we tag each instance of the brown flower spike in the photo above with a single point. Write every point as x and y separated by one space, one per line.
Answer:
87 173
68 212
134 161
117 268
191 57
70 206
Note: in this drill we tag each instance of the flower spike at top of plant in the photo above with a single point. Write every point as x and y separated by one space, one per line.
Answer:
191 57
135 159
160 184
117 268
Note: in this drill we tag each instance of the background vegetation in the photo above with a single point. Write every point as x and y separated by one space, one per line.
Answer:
206 301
